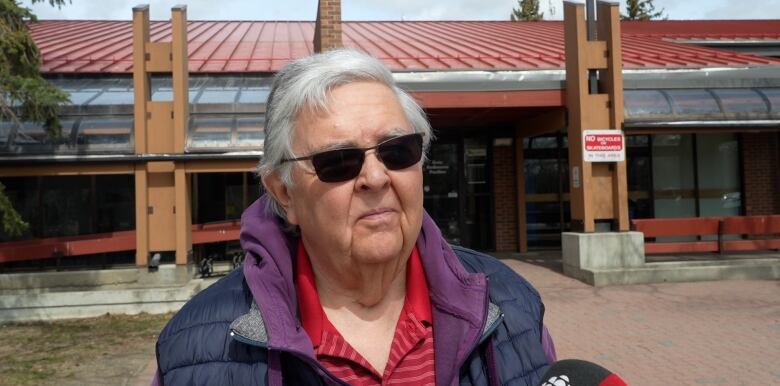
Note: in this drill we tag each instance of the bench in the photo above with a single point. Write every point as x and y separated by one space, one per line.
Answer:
58 247
763 232
713 234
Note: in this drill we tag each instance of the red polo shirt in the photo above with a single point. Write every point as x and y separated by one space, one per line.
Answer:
411 354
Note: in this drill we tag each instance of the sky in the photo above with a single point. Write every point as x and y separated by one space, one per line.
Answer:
382 9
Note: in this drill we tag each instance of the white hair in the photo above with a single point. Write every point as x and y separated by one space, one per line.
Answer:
304 85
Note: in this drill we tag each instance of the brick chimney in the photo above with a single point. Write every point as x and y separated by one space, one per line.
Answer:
327 30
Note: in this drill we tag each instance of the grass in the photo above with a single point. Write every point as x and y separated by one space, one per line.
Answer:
43 352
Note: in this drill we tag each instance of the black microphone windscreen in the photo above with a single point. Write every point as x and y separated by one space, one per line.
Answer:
575 372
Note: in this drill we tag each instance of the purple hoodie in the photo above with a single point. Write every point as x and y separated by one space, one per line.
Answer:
459 299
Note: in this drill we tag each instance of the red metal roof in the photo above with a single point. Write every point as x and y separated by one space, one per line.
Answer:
265 46
704 29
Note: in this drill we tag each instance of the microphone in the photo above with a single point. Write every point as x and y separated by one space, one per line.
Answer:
575 372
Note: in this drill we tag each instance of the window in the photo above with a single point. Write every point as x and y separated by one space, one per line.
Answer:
106 134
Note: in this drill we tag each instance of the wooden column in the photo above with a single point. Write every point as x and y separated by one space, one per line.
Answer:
180 75
181 117
141 217
598 190
522 224
142 94
163 206
609 29
183 215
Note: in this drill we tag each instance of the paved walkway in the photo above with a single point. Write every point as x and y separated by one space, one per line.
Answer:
671 334
704 333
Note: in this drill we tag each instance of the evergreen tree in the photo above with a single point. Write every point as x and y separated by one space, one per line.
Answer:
527 10
24 94
641 10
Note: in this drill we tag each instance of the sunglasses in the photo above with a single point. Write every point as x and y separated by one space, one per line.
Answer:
341 165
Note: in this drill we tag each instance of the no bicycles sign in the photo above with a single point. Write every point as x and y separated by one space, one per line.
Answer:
603 146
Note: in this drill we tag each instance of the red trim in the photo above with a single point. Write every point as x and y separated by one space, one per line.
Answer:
67 246
48 248
217 231
488 99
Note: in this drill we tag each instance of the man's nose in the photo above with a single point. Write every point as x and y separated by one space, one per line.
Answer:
374 174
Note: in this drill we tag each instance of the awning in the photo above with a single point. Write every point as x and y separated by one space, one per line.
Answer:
704 108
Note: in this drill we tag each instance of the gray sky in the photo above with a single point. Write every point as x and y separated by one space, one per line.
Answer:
384 9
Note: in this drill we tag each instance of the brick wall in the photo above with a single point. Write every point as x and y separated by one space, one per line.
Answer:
761 173
327 30
505 198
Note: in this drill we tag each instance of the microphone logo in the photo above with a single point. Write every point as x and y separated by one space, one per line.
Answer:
558 380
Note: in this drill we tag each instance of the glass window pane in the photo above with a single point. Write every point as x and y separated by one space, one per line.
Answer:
719 177
5 130
250 131
105 133
639 103
544 142
254 95
210 132
637 140
476 166
32 136
124 97
741 101
773 94
115 196
82 97
693 101
218 95
673 182
66 206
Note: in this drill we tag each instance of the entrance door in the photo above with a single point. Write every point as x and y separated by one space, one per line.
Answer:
441 190
458 193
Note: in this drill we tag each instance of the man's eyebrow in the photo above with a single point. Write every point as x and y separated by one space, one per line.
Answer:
351 144
394 133
333 146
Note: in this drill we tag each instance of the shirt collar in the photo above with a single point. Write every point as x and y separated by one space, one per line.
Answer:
312 315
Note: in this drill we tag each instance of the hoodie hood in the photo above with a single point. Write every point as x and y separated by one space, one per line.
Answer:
459 299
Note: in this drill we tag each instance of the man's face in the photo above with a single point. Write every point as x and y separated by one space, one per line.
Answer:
373 218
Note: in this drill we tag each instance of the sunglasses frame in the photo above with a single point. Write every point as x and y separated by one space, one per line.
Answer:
363 150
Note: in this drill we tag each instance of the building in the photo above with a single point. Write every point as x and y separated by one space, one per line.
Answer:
700 112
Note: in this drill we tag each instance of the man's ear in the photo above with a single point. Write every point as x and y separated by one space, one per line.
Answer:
280 192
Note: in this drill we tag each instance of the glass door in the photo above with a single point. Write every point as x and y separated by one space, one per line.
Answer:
441 190
478 216
458 191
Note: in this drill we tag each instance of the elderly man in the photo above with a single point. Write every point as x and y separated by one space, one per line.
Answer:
346 278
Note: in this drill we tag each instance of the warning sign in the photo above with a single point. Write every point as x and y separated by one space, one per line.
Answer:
604 146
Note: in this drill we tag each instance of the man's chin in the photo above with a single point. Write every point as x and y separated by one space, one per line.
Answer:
377 250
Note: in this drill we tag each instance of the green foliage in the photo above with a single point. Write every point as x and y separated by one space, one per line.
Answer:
527 10
24 94
12 221
642 10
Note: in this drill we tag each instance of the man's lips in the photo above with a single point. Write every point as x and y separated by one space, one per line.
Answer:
376 214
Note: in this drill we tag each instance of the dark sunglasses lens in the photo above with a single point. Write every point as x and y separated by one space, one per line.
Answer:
338 165
401 152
